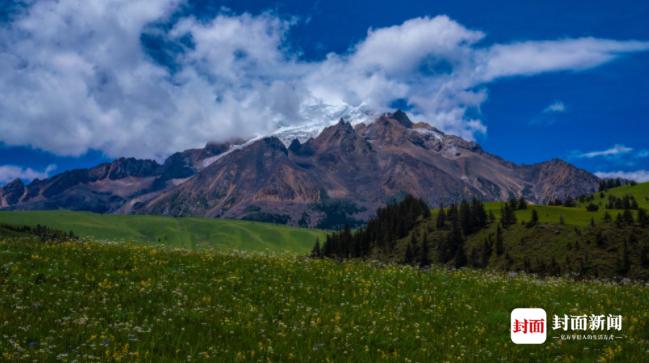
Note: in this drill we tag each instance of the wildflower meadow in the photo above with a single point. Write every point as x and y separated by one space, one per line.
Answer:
83 301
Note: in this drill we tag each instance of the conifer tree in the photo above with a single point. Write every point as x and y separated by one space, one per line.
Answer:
643 218
509 261
600 239
554 269
460 256
492 217
607 217
644 255
452 213
475 259
465 217
624 263
414 246
504 213
478 215
619 222
486 251
592 207
346 242
512 216
393 222
315 252
522 203
508 215
534 219
441 218
413 239
424 259
454 239
417 248
500 248
627 217
409 258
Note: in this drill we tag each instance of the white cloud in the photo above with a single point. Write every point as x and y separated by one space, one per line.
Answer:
616 150
400 48
9 173
533 57
640 176
555 107
75 76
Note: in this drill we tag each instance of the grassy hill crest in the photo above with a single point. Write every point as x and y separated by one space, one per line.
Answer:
190 233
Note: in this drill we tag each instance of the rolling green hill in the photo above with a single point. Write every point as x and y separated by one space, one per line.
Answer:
563 241
191 233
574 247
579 216
639 191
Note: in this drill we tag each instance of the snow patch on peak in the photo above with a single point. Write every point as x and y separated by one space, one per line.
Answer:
430 131
208 161
321 116
317 116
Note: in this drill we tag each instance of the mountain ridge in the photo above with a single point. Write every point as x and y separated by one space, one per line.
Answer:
340 176
358 169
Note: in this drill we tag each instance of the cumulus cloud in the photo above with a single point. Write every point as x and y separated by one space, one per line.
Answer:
9 173
400 49
615 150
640 176
75 76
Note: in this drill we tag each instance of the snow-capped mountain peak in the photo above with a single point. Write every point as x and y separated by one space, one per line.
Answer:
320 116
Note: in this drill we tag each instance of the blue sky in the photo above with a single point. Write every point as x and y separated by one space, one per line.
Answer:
83 82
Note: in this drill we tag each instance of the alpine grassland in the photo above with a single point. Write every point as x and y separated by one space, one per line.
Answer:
88 301
189 233
407 287
639 191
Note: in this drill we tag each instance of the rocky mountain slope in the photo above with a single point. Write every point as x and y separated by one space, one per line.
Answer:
346 172
340 176
108 186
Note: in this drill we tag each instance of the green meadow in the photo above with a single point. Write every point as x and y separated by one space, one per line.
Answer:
640 192
189 233
578 215
122 302
159 289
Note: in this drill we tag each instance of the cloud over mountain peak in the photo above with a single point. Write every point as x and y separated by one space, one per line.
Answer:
76 75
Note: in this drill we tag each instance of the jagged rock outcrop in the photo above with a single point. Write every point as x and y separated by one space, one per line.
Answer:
11 193
346 172
341 176
108 187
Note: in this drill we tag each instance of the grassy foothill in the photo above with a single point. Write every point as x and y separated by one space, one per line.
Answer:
189 233
579 215
126 302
